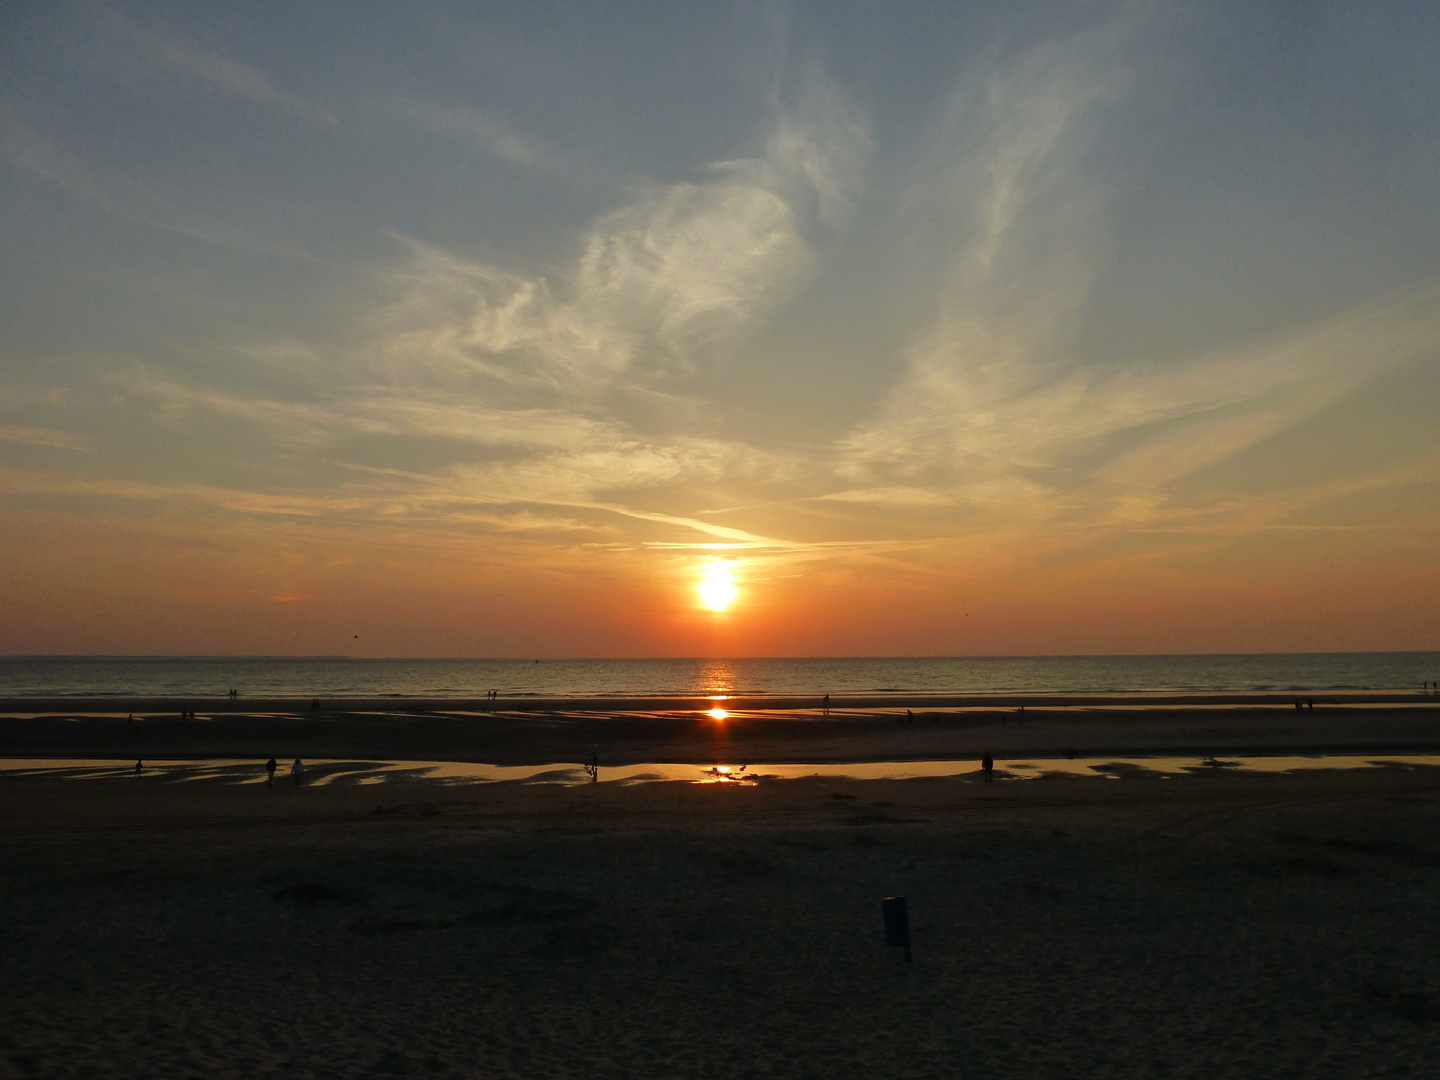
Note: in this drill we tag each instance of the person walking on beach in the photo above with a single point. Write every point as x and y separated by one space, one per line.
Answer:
270 773
825 705
592 766
297 771
139 767
987 764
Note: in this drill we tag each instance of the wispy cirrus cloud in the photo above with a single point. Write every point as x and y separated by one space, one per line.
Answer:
527 377
998 412
523 457
659 285
56 154
490 134
47 437
47 157
1019 236
222 72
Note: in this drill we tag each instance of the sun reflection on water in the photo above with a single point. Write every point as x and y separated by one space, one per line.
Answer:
717 677
726 774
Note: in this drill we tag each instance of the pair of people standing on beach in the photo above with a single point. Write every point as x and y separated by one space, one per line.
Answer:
297 771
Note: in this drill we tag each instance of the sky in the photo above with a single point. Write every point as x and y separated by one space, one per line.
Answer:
496 329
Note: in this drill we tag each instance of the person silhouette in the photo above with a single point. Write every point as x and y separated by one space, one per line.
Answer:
825 705
987 764
270 767
139 767
297 771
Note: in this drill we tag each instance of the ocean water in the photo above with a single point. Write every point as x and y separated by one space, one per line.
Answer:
333 677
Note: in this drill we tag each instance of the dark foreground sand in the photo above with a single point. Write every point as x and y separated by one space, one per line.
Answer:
1214 926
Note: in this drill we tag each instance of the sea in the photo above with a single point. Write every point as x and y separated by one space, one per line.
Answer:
332 677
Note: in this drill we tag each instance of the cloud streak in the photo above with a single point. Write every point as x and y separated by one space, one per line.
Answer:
231 76
46 437
48 158
491 135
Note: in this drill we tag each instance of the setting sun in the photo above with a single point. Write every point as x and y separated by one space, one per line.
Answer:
717 590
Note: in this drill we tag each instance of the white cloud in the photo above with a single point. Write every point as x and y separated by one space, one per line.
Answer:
689 265
678 272
659 286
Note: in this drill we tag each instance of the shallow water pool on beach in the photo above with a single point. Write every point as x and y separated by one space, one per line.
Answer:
356 773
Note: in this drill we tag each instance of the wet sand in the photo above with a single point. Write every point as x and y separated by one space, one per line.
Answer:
638 730
1210 925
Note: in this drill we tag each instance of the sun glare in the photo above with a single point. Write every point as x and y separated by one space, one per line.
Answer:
717 590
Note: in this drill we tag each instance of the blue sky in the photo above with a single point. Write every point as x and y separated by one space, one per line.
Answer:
488 328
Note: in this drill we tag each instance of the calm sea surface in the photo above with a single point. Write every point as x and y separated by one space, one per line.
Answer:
347 677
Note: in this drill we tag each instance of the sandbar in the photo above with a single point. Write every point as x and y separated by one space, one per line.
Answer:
690 730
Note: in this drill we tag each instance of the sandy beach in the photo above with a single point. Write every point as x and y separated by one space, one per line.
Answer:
1209 925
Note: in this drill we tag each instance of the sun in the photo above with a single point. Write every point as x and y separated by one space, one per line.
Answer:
717 590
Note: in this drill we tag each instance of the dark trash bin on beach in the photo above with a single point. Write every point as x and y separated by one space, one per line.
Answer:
897 923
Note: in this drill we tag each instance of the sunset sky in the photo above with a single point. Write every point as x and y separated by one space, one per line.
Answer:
485 329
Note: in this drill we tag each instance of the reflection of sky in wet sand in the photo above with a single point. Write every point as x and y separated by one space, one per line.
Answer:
358 773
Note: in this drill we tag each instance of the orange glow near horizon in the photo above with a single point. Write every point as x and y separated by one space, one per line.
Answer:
121 585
